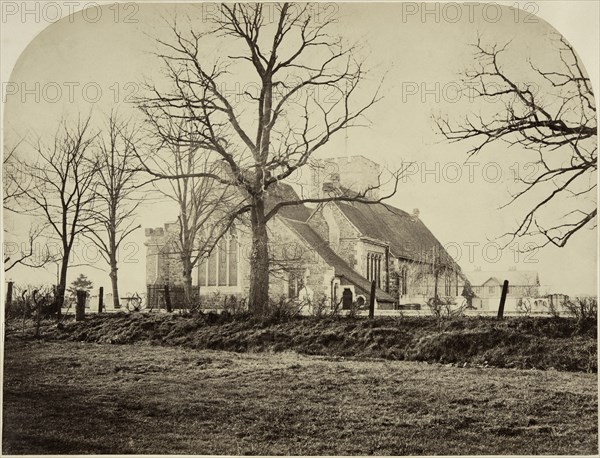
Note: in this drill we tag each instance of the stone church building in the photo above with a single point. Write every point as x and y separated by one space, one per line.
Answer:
328 253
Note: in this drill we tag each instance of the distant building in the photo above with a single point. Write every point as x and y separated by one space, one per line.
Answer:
523 290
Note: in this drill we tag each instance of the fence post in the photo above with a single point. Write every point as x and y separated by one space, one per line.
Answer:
9 293
101 299
168 299
80 308
372 301
503 300
38 316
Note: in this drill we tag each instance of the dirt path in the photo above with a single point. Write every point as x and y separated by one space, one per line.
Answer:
67 397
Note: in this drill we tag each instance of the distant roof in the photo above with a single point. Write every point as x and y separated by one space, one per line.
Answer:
406 234
342 269
514 277
283 192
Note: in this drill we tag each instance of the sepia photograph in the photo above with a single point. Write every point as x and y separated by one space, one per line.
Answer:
310 229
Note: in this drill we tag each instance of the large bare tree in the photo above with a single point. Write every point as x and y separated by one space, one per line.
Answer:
60 190
300 88
553 117
116 194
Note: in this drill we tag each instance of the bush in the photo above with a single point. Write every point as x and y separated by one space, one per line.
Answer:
585 310
280 310
445 307
235 306
26 300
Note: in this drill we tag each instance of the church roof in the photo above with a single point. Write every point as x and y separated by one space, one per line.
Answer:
342 269
406 234
283 192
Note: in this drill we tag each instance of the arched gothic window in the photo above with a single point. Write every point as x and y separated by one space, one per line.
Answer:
374 261
221 268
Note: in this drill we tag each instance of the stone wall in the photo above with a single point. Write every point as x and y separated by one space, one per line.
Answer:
300 257
347 247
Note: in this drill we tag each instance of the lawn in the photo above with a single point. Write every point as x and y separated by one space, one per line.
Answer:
74 397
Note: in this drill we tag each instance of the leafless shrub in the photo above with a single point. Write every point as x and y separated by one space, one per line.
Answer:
235 306
446 307
553 309
30 303
320 308
582 308
356 307
524 305
282 309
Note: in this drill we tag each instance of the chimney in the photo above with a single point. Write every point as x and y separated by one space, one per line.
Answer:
415 214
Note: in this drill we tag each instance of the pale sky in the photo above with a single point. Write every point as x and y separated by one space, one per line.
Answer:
421 52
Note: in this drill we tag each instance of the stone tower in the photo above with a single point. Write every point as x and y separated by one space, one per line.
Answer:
352 172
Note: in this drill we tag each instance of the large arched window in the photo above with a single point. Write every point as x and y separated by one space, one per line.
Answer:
221 268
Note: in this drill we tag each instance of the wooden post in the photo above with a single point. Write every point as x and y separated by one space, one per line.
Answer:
503 300
101 299
372 300
25 307
38 307
80 308
9 293
168 299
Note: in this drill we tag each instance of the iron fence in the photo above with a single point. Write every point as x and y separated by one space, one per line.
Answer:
157 296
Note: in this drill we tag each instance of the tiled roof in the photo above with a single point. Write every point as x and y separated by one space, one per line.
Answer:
406 234
282 192
342 269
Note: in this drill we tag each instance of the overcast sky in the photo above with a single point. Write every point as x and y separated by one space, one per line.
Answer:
420 52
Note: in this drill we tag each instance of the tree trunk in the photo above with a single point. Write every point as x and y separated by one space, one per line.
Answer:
114 283
259 260
187 282
62 283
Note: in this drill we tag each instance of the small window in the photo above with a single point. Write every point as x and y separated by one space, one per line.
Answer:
492 289
295 283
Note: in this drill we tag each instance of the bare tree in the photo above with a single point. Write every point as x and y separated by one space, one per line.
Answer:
115 193
207 207
15 182
554 117
32 254
262 136
61 191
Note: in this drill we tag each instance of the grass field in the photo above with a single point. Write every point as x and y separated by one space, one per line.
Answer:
72 397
